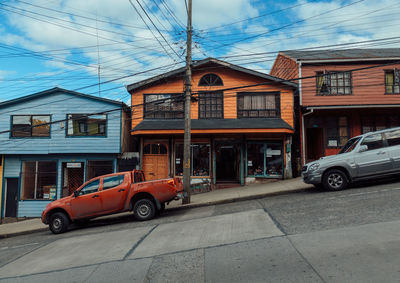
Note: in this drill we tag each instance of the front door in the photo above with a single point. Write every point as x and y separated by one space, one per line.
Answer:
227 163
73 177
315 144
155 161
11 197
89 201
114 192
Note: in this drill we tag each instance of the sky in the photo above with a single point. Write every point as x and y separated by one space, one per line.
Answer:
74 44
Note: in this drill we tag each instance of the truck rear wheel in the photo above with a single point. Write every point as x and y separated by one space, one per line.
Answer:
58 223
144 209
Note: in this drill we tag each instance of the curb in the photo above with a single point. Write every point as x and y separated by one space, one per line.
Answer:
182 207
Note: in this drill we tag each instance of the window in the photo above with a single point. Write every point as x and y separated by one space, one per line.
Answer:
164 106
264 159
258 105
334 83
200 159
392 81
376 123
211 105
39 180
373 141
95 168
155 148
393 137
210 80
337 131
86 125
113 181
28 126
138 177
92 187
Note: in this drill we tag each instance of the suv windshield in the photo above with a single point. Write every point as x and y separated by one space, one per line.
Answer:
350 145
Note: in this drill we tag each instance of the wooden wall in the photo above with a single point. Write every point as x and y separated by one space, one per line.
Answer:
285 68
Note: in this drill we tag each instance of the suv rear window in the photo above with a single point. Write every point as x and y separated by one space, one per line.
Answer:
374 141
393 137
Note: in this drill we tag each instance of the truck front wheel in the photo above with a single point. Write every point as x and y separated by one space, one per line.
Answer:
58 222
144 209
335 180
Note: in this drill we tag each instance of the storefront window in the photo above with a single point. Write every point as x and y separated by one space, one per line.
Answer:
39 180
337 131
264 159
200 159
99 167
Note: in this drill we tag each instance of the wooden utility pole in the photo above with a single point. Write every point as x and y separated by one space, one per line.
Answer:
188 95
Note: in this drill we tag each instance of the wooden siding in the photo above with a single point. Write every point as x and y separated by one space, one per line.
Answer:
230 79
58 106
12 166
285 68
368 86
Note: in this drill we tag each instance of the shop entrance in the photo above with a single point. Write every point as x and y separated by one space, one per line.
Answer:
315 143
227 163
73 177
155 161
11 198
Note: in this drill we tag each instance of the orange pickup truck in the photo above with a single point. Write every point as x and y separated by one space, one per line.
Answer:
109 194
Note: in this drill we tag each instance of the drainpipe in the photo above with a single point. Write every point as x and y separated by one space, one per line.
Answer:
303 135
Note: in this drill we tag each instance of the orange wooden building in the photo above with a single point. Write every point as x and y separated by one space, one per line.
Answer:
342 93
242 123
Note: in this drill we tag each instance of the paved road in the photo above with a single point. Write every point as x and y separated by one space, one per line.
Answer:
309 236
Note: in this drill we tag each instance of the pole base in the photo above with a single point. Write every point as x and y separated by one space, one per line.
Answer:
186 199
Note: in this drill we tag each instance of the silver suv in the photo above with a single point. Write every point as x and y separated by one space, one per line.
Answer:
363 157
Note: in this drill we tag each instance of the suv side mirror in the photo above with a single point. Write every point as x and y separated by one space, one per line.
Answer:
76 193
363 148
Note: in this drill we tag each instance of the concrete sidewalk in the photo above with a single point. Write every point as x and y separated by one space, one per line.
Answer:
253 191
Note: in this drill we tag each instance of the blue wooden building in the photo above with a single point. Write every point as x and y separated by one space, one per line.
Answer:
53 141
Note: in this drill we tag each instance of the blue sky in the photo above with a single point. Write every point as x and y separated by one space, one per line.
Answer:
48 43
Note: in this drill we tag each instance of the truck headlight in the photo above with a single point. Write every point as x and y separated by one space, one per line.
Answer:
313 167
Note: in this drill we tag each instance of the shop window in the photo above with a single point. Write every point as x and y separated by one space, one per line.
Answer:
113 181
264 159
334 83
337 131
376 123
91 187
211 105
30 126
210 80
392 81
86 125
96 168
258 105
200 159
164 106
39 180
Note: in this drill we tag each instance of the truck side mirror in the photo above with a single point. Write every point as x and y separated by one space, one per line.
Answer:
363 148
76 193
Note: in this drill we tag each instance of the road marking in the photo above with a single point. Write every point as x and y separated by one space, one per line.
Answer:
19 246
365 193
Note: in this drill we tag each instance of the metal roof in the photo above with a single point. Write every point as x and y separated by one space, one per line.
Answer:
132 87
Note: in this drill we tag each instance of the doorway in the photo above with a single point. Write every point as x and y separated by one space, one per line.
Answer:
315 144
227 163
73 177
155 161
11 197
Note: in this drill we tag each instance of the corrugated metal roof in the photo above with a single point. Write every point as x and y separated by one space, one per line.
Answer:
344 54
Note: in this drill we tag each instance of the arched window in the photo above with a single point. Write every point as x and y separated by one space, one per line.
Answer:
210 80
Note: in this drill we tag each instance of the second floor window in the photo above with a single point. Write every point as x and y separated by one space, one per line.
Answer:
334 83
211 105
258 105
392 81
164 106
86 125
30 126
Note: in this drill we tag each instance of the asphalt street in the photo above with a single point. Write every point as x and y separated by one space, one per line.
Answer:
307 236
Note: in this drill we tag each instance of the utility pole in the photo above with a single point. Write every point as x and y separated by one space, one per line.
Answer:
188 95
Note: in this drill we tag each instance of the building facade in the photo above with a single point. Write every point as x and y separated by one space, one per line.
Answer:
242 124
52 142
343 93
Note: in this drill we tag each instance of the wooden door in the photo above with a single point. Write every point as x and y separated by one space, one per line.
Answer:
155 161
11 197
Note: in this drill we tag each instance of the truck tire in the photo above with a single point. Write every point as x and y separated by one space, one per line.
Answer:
144 209
335 180
58 223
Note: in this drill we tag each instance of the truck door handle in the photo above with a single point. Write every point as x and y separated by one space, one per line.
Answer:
381 152
95 196
121 190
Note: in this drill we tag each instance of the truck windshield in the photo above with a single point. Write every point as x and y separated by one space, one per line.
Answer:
350 145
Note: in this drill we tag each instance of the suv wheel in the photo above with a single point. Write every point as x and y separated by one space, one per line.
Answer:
144 209
335 180
58 223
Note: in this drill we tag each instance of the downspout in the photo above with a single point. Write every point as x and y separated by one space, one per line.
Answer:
303 136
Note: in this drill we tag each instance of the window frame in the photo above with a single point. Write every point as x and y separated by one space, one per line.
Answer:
327 75
393 71
191 159
175 112
218 96
338 126
374 119
103 135
265 145
114 176
277 108
31 127
90 182
209 82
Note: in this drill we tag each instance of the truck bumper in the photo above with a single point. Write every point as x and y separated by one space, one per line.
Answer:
312 178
